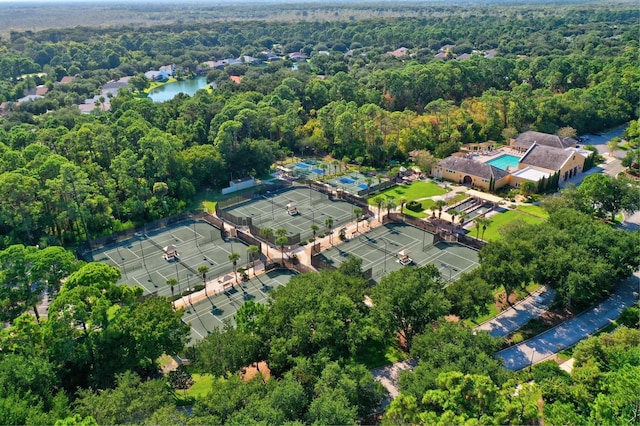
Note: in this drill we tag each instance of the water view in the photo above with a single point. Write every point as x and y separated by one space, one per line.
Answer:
166 92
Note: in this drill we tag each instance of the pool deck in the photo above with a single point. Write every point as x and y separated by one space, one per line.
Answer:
491 155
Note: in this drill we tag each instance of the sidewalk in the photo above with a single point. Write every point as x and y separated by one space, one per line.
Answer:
572 331
499 326
519 314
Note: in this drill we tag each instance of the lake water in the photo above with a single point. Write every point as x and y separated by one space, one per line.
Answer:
168 91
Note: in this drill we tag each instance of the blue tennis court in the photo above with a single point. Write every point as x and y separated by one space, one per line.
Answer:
303 166
318 171
346 180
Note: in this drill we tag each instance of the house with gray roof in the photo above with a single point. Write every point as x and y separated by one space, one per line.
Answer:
467 171
524 141
568 162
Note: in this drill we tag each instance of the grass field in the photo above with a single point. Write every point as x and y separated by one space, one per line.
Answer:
534 211
418 189
492 233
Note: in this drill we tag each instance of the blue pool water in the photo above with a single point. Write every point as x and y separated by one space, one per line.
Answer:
504 161
302 166
346 181
363 186
318 171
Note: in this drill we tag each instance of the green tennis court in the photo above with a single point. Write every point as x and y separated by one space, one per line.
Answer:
142 262
383 248
314 207
211 313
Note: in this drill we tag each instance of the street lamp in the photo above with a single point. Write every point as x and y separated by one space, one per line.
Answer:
533 352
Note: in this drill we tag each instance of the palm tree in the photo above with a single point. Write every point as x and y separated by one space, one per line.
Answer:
369 181
358 213
378 200
233 258
440 204
477 223
171 282
253 251
461 218
314 229
453 213
390 204
335 164
203 271
402 201
485 222
267 234
329 224
281 241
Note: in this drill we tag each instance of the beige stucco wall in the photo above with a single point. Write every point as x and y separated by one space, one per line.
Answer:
458 177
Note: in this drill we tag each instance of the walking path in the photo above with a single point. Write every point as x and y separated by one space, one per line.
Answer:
570 332
501 325
543 346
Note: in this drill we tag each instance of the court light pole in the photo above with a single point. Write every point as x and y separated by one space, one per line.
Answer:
385 253
195 234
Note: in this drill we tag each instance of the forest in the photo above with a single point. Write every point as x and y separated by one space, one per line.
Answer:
69 177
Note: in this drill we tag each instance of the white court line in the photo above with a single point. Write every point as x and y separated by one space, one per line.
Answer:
196 331
134 253
158 272
141 285
117 264
199 235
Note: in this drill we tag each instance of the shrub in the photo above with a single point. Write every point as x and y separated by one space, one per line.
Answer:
414 206
198 287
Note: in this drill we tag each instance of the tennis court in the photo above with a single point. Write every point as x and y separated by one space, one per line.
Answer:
380 249
142 262
351 182
314 207
211 313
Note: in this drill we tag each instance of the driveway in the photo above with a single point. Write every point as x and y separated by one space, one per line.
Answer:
570 332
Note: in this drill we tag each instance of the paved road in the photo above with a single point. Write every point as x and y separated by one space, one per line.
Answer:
519 314
572 331
501 325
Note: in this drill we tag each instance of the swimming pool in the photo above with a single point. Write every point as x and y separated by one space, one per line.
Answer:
346 180
303 166
505 161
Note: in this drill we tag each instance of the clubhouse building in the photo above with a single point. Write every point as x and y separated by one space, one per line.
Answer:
532 156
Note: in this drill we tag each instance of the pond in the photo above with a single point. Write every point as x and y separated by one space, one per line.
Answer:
168 91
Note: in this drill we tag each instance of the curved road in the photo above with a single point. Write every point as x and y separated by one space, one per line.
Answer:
572 331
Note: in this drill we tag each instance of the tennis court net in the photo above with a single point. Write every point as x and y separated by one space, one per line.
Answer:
370 243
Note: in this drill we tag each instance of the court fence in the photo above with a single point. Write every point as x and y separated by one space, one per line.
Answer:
386 184
440 233
85 251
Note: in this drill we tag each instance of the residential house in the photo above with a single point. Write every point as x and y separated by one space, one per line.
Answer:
297 56
490 54
251 60
441 55
41 90
270 56
399 52
467 171
235 78
463 57
66 79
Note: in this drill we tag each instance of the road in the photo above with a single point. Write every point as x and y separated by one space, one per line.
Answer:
574 330
501 325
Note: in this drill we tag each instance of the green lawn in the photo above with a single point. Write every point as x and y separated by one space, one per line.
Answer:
418 189
492 233
534 211
202 384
